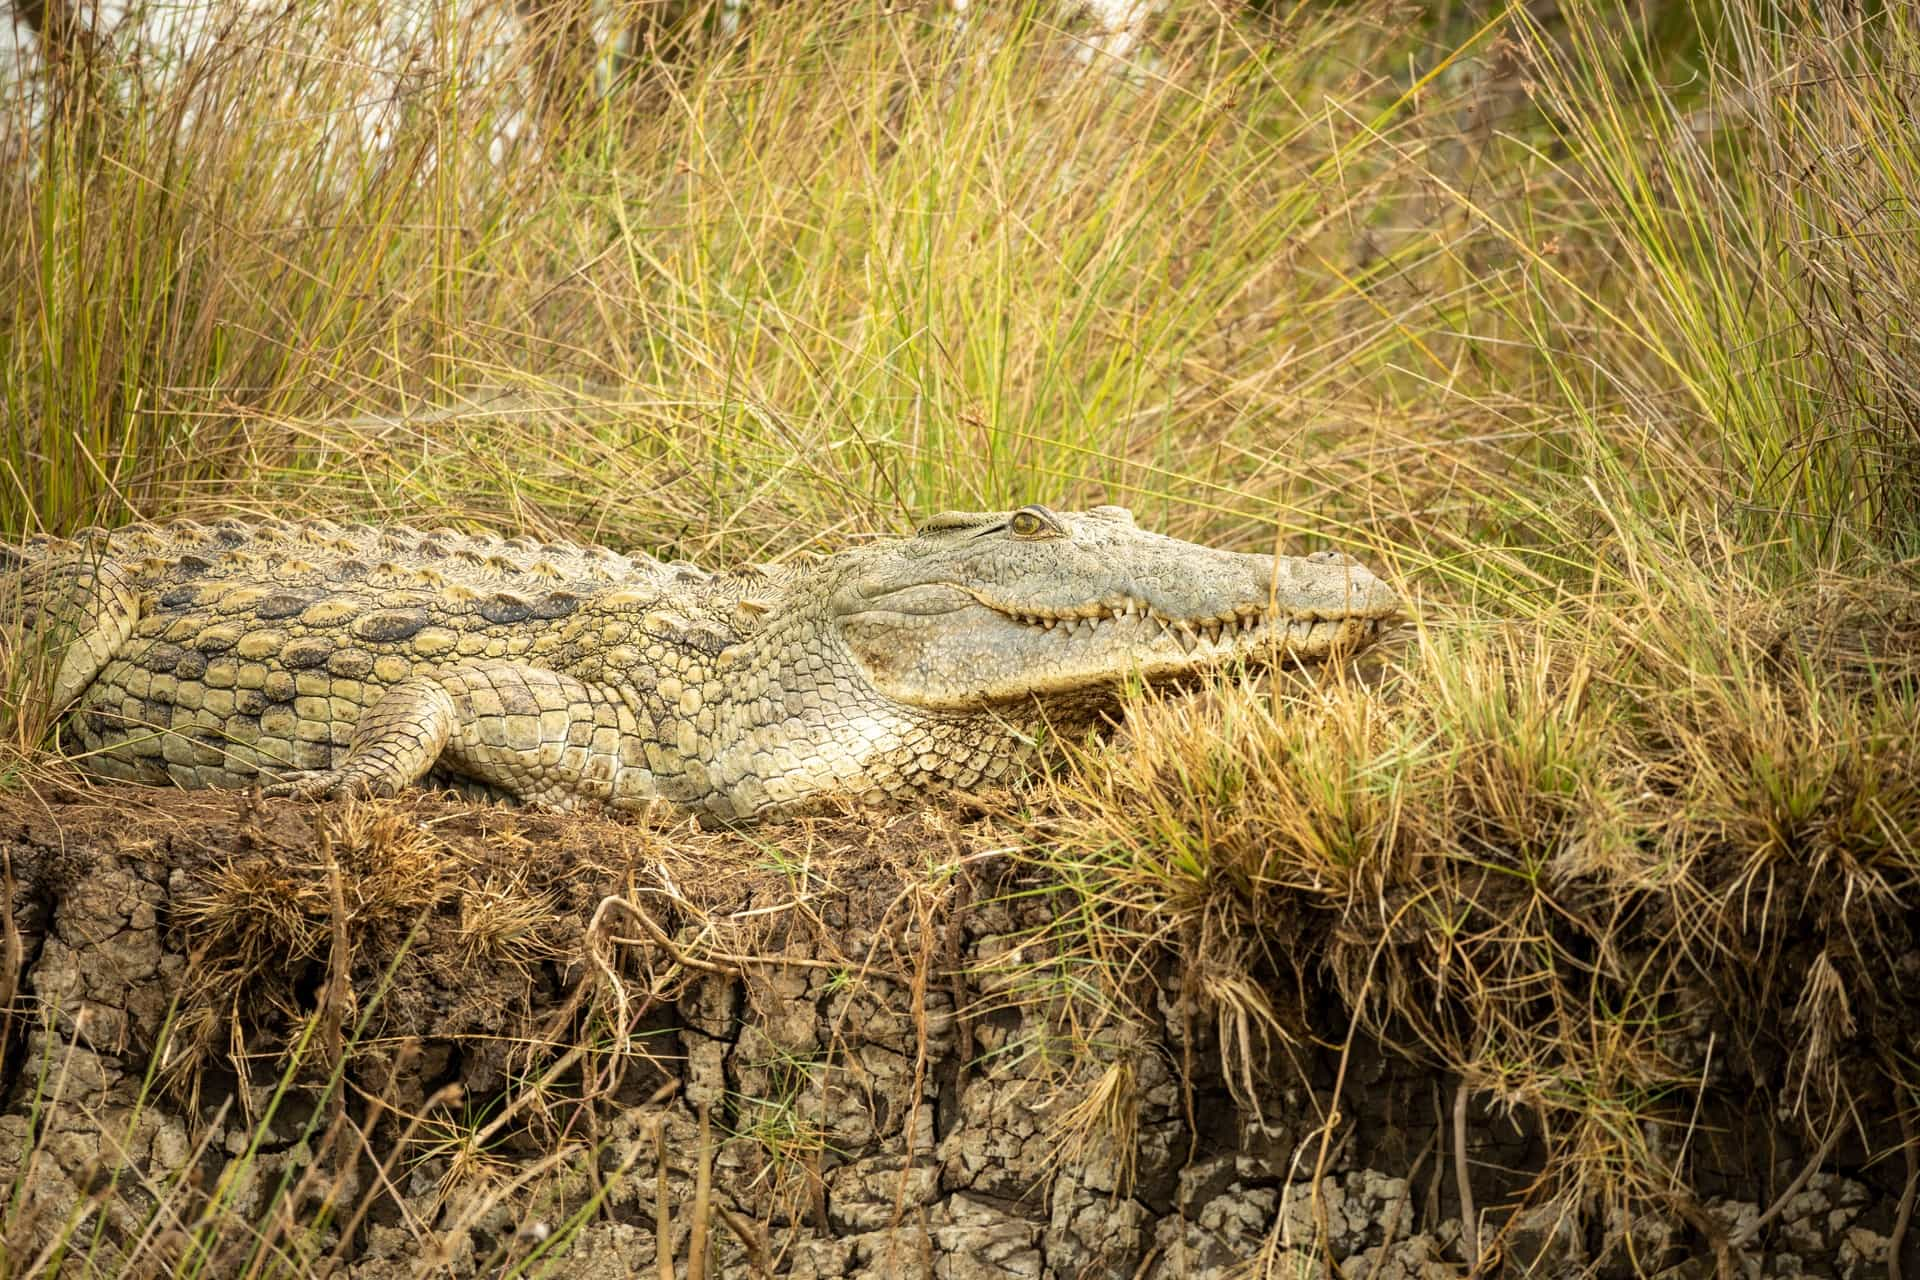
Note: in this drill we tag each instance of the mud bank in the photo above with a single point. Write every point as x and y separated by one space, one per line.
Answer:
423 1038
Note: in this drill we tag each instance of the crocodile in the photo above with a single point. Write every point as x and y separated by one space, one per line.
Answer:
314 659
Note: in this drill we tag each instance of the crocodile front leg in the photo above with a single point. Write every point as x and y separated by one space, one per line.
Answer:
537 735
394 743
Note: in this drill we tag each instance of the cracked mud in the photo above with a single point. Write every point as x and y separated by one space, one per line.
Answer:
543 1024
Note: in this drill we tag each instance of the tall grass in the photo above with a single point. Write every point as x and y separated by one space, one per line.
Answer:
1350 275
1595 330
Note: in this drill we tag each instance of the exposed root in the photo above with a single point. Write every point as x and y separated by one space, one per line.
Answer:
12 952
702 1223
751 1237
1903 1217
1463 1178
1741 1238
662 1213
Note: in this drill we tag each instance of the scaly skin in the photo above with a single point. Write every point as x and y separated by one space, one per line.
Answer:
326 660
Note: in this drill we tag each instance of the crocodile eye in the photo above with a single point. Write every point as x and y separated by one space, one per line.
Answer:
1028 523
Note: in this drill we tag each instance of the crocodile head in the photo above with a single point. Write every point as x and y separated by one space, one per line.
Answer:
983 610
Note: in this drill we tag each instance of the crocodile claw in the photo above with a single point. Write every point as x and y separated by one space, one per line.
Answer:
319 784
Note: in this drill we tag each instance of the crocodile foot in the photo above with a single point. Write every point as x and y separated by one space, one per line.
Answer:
321 784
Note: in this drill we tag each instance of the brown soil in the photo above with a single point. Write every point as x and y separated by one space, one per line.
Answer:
503 1033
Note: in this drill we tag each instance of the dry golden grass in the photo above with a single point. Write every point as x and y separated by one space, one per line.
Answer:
1560 869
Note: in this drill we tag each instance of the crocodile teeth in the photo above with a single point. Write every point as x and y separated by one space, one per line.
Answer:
1184 634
